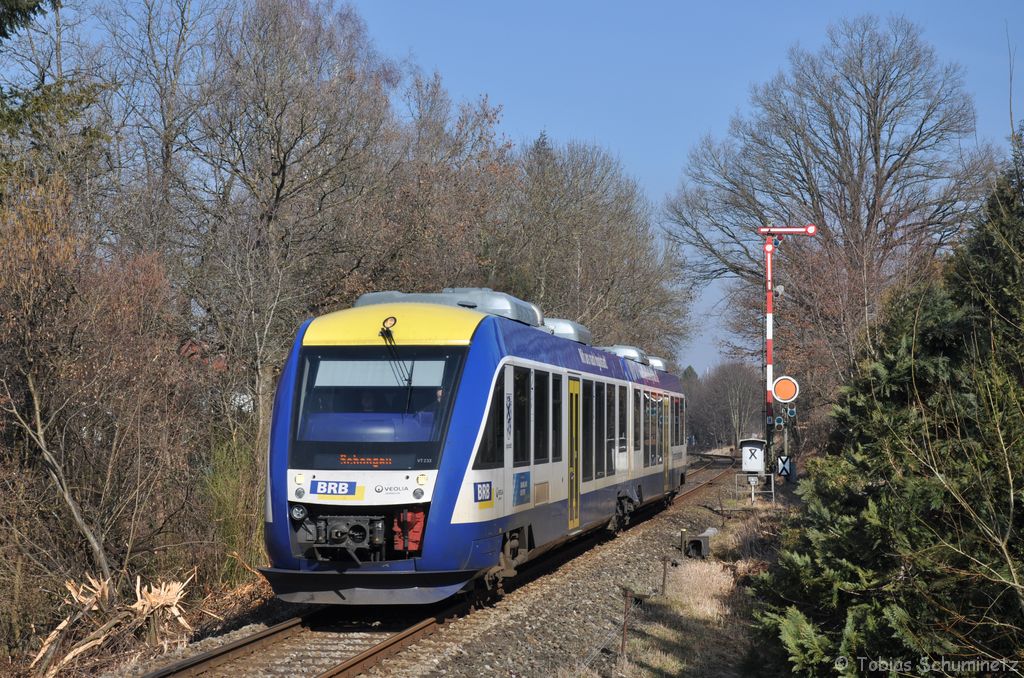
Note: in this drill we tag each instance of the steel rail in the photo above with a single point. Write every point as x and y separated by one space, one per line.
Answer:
381 651
200 663
706 483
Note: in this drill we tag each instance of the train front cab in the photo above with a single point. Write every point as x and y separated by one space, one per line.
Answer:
358 496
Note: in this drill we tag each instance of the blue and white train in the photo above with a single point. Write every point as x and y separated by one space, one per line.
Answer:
424 444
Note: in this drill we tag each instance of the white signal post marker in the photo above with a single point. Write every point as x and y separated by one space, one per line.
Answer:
770 233
809 229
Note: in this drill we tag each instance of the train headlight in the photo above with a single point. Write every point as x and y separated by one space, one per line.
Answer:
298 512
417 493
422 479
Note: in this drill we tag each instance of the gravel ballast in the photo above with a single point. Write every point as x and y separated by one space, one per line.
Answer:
563 622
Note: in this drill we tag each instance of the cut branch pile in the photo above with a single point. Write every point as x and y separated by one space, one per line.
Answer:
97 619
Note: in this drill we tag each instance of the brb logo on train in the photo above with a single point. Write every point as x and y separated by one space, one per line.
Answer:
336 490
483 495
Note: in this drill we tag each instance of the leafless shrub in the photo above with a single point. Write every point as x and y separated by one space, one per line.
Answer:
97 406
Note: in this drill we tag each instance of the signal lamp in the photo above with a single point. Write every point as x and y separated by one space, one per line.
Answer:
418 493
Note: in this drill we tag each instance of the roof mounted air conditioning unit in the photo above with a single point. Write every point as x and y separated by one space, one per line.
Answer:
629 352
480 299
658 363
568 329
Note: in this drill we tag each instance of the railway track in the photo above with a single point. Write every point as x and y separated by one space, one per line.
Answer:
319 643
713 463
314 644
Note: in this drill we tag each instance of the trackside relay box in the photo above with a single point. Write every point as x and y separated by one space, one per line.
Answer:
752 453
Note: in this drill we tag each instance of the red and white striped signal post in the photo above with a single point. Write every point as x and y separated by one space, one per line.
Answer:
773 236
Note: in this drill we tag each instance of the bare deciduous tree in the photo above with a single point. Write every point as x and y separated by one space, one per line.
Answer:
294 109
153 55
578 240
725 405
869 139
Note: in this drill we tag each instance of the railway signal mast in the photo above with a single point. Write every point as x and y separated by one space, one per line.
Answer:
773 238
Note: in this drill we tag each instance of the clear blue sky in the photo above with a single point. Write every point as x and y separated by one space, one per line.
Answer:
647 79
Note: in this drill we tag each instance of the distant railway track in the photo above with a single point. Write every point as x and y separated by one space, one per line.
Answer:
320 644
713 463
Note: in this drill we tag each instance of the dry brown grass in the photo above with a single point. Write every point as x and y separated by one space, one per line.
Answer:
697 628
701 626
751 538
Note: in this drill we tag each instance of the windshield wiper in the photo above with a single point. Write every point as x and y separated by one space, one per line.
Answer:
408 387
396 363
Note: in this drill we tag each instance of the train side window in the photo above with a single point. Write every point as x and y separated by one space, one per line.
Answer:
682 421
541 407
588 430
679 421
599 428
492 445
659 430
655 436
520 416
637 418
667 444
609 436
680 437
623 414
556 417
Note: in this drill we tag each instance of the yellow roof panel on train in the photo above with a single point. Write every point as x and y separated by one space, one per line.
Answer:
415 325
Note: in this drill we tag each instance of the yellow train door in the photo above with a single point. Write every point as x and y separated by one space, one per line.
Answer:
574 453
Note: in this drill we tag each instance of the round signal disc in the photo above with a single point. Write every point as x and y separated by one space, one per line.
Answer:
785 389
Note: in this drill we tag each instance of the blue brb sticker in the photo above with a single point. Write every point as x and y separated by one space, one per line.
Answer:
521 483
482 492
332 488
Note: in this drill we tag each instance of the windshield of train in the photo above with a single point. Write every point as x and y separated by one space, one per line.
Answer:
371 408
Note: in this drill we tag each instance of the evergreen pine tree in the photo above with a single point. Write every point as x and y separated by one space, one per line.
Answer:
908 543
